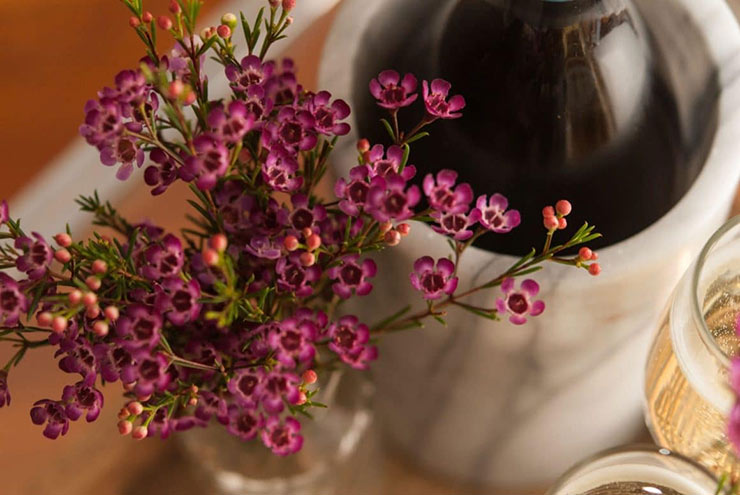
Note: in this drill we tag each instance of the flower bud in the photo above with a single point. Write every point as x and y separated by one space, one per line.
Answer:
594 256
45 319
229 19
224 31
219 242
123 413
385 227
62 256
190 97
392 238
134 408
63 240
313 242
548 211
363 145
307 259
562 223
290 243
307 232
309 377
302 399
112 313
164 22
175 7
89 299
134 22
74 297
288 21
147 17
551 223
59 324
175 89
404 229
206 33
139 433
193 401
585 253
93 282
92 311
594 269
210 257
125 427
274 3
99 267
288 5
563 207
100 328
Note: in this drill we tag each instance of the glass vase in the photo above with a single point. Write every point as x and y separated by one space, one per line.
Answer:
687 392
636 470
338 456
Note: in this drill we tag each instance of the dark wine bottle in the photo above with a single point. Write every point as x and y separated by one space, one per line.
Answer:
601 102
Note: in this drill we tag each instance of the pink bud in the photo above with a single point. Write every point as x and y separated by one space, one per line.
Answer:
585 253
562 223
306 232
288 21
307 259
112 313
63 240
93 282
99 267
310 377
123 413
59 324
128 387
147 17
164 22
139 433
219 242
594 269
193 401
62 256
290 243
274 3
210 257
313 242
45 319
404 229
563 207
100 328
594 256
363 145
385 227
175 7
288 5
551 223
548 211
125 427
92 312
392 238
190 98
135 408
75 297
224 31
175 89
206 33
134 22
302 399
89 299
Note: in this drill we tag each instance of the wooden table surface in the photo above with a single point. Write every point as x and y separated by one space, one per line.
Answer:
60 53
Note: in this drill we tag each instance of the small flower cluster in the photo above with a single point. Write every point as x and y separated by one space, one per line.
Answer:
236 318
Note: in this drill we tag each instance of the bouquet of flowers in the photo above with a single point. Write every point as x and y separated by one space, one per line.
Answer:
235 318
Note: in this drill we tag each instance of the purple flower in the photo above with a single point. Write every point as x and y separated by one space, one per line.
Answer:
209 405
388 198
434 282
161 175
232 124
111 360
243 423
4 391
263 247
178 300
150 373
390 164
245 386
258 104
208 164
131 90
272 220
80 398
327 116
436 100
53 414
278 171
456 225
13 302
303 216
519 303
282 87
178 60
735 376
443 197
282 438
163 260
36 257
352 276
142 325
353 194
294 277
124 150
103 122
80 358
249 73
4 213
235 208
349 340
279 386
494 216
293 341
334 227
293 130
390 93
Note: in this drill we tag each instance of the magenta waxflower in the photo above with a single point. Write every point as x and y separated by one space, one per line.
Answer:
232 124
353 194
282 438
103 122
494 216
351 276
282 87
392 92
210 162
80 358
390 163
278 387
163 260
436 100
258 104
13 302
131 90
444 196
82 399
327 116
349 340
178 300
292 341
245 386
263 247
388 198
303 215
293 131
4 212
4 391
250 72
519 303
52 414
243 423
456 225
294 277
161 175
36 257
142 325
209 405
124 150
279 171
150 373
434 281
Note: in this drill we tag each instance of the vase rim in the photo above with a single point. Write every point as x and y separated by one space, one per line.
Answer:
728 229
